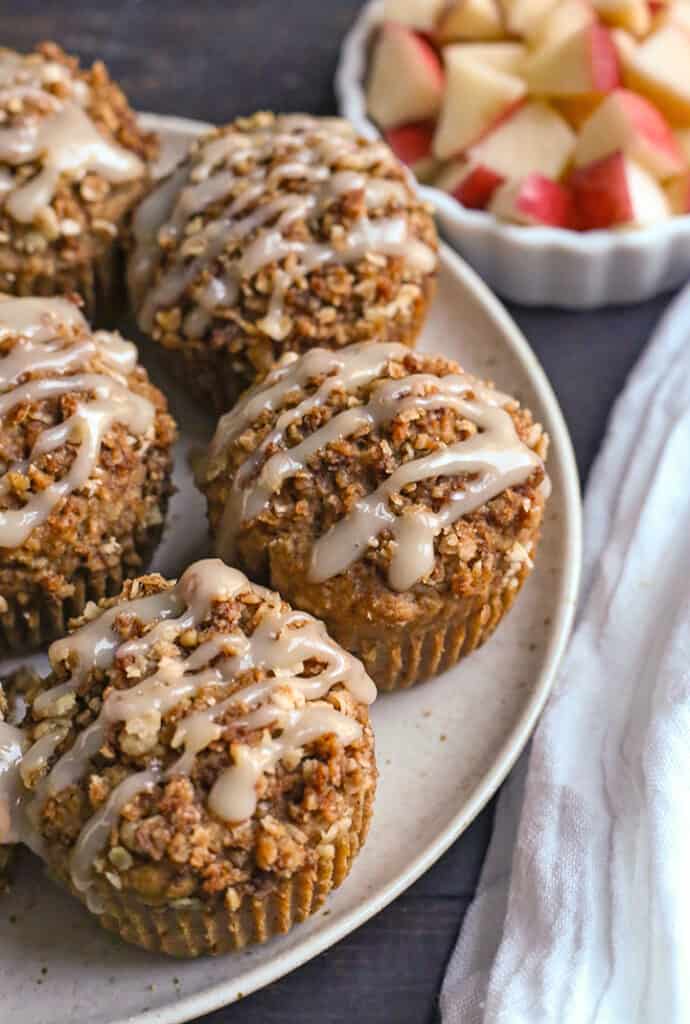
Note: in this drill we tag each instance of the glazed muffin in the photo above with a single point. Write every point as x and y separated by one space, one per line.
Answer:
202 768
85 463
387 492
72 164
278 234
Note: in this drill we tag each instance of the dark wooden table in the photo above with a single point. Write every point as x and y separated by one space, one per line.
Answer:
213 60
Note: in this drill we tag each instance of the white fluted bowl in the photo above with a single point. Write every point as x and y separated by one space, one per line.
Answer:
533 265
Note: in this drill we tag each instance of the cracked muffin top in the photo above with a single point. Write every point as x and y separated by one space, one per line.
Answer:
368 480
72 162
278 233
196 741
81 428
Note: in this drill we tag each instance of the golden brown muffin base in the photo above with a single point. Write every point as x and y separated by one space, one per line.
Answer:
197 931
415 654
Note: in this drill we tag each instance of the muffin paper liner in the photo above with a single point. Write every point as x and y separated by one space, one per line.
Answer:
197 931
397 661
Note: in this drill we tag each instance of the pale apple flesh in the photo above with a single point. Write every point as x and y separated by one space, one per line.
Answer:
406 80
584 62
533 139
503 56
494 93
470 19
660 68
419 14
626 122
566 18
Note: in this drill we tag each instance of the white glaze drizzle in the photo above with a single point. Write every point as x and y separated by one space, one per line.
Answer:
311 148
60 135
53 339
281 644
12 746
495 455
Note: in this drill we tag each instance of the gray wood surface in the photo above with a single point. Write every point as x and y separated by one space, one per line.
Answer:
213 60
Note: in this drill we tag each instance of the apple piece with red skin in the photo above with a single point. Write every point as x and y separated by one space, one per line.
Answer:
617 192
419 14
532 139
584 62
469 19
477 97
534 200
628 123
473 185
406 80
411 143
660 69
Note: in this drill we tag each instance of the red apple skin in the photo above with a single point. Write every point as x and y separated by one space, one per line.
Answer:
430 56
411 142
546 202
601 194
651 124
604 58
475 190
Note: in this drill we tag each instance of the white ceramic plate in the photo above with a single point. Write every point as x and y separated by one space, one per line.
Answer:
538 266
460 735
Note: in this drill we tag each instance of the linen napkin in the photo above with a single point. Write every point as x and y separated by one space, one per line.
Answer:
582 915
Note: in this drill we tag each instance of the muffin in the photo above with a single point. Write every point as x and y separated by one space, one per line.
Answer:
72 164
202 768
277 234
387 492
85 462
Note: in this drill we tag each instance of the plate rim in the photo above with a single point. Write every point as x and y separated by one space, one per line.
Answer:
225 993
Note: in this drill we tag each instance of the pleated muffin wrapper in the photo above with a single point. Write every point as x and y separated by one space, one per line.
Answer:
32 613
190 928
399 659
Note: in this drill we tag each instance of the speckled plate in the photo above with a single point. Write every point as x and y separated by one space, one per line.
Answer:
460 733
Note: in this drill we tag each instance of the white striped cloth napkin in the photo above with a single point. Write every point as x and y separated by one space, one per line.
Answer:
582 915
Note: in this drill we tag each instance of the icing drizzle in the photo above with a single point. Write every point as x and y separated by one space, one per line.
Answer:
56 132
312 147
285 702
493 459
51 355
